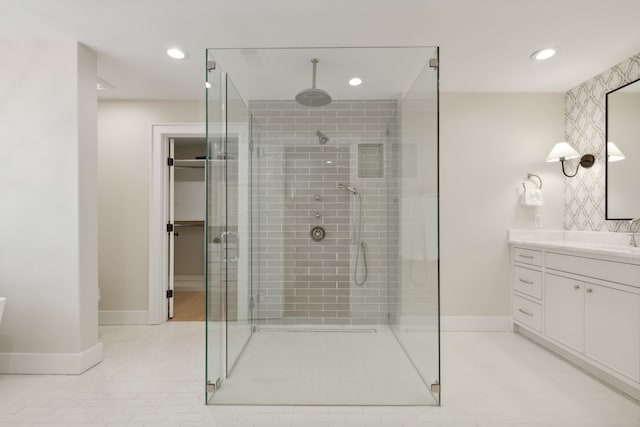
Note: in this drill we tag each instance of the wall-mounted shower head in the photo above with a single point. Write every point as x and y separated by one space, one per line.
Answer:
322 138
350 188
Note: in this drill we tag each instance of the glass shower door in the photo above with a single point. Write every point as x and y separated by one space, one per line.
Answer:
414 291
236 243
215 225
230 298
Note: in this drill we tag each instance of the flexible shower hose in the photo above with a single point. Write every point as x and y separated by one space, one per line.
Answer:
362 245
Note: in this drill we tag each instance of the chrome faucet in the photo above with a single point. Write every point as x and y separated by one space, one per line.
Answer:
634 224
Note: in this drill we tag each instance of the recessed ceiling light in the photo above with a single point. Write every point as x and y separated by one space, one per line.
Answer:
542 54
355 81
176 53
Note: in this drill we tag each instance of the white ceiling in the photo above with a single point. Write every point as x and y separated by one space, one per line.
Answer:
484 44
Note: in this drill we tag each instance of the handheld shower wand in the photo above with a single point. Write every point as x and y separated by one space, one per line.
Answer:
356 224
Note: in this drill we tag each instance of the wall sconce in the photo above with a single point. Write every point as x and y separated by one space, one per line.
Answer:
562 151
613 153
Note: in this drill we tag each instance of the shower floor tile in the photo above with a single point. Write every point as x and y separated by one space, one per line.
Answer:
284 367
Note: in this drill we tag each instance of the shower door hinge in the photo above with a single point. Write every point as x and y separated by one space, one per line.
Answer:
211 65
169 161
435 387
169 293
251 304
434 63
169 228
212 387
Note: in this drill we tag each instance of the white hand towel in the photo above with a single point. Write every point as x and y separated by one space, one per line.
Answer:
531 197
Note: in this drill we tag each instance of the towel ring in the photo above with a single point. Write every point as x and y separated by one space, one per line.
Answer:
530 177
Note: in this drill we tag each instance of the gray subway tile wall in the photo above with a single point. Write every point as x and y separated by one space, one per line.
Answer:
302 281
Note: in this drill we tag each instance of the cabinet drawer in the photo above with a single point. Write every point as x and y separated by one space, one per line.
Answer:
612 271
527 281
527 256
527 312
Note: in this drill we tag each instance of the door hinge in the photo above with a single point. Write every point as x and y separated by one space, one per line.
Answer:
169 161
170 293
434 63
212 386
169 228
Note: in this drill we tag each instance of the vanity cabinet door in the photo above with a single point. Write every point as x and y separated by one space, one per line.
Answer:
612 329
564 311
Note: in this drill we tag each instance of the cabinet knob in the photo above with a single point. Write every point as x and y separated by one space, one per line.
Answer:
576 286
589 290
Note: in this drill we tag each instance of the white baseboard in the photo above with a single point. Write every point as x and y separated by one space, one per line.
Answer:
51 363
123 317
476 324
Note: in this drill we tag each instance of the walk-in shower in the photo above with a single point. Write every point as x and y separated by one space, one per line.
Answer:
322 227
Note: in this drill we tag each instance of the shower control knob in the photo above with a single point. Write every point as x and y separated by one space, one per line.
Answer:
317 233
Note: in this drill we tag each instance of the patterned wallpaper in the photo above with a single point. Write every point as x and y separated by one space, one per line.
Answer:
584 195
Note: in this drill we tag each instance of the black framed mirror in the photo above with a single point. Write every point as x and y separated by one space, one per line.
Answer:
622 170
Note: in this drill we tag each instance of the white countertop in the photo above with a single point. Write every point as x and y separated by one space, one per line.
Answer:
596 243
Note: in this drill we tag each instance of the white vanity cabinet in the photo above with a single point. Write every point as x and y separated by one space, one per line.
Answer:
564 305
527 287
583 305
612 329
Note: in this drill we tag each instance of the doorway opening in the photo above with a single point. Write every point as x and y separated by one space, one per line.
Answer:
186 269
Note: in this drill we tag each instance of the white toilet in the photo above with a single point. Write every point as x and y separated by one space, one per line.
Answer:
3 300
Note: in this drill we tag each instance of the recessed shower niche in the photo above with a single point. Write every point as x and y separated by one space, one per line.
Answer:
351 318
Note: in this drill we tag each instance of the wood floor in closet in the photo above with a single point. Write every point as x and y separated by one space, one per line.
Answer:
188 306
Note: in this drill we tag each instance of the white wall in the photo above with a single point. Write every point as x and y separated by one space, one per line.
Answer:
48 255
124 156
488 143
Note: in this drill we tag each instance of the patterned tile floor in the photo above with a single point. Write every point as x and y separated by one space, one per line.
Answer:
152 376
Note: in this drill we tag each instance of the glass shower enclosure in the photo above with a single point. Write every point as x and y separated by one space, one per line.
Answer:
322 227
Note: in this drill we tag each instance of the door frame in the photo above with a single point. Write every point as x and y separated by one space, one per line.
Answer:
157 309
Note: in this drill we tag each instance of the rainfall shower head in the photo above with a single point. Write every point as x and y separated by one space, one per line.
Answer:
313 97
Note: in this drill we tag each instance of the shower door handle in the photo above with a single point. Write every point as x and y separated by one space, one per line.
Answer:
224 239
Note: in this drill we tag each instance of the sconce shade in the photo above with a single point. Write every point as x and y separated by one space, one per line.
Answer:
613 153
562 151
